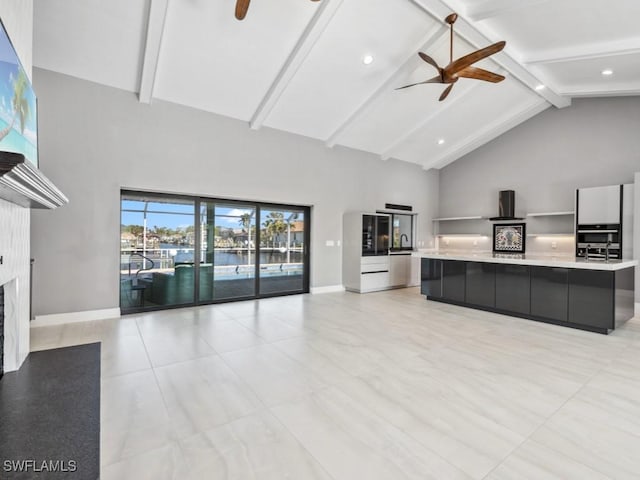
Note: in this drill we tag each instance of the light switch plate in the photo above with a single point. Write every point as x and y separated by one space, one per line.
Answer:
329 243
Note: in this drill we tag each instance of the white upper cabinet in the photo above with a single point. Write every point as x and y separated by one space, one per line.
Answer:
599 205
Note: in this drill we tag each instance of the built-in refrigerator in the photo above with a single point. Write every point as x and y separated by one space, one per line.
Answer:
375 235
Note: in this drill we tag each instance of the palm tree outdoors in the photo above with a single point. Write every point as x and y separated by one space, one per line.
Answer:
245 222
274 225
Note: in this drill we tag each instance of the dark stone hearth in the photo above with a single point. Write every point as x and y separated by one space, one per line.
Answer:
50 412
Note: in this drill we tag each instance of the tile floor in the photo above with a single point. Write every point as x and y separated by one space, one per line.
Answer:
345 386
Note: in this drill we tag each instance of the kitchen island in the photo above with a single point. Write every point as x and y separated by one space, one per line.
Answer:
591 295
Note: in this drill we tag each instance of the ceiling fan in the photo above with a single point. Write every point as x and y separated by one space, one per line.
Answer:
462 66
243 5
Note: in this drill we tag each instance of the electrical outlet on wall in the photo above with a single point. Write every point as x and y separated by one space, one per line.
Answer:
554 245
475 243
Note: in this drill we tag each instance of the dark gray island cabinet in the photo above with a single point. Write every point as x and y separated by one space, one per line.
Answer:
594 296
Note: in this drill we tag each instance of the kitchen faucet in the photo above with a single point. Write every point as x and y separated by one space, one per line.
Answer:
586 252
406 237
606 251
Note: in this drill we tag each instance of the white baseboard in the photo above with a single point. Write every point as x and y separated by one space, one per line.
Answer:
74 317
327 289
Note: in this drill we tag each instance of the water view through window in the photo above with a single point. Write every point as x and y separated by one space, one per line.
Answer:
230 250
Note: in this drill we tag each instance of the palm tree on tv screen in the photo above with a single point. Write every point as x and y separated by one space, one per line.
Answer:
20 104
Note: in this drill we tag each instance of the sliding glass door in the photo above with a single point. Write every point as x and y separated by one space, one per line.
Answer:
228 259
230 250
157 244
283 234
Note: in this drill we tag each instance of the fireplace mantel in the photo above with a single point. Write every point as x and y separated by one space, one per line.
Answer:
23 184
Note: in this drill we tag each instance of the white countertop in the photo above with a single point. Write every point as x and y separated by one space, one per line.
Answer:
564 261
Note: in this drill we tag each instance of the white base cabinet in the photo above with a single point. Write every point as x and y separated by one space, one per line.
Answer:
399 270
373 273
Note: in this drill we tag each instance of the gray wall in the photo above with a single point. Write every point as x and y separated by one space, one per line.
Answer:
96 139
17 17
593 142
636 233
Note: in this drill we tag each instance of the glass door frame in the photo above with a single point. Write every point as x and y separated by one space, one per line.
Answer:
198 200
306 260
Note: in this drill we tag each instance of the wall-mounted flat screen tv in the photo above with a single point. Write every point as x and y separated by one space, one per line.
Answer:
18 108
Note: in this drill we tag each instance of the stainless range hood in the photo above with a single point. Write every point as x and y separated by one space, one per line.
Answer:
23 184
506 206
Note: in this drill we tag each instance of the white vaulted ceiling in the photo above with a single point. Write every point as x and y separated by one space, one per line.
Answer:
296 65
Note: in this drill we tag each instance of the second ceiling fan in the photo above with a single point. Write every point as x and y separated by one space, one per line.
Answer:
243 5
462 66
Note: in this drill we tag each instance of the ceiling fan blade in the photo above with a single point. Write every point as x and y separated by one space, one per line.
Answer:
463 62
429 60
446 92
437 79
480 74
241 8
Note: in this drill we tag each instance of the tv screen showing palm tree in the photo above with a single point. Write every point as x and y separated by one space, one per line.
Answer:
18 114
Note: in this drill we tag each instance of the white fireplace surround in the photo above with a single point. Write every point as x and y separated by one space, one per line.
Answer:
11 326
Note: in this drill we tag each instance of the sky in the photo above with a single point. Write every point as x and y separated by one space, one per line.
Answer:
182 214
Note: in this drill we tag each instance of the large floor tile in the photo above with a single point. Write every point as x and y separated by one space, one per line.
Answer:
533 461
45 338
165 348
427 411
255 447
599 430
228 336
342 386
351 442
163 463
273 376
134 418
123 355
203 393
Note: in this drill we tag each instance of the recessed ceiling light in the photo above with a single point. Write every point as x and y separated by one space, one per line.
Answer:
441 141
606 72
367 59
540 87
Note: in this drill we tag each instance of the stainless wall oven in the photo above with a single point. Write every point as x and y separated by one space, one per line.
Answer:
593 240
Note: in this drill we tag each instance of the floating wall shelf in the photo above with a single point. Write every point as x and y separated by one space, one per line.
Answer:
550 214
468 235
449 219
550 234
